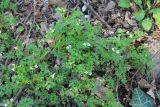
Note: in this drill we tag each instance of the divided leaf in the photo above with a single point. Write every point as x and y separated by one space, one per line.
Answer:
140 99
147 24
25 102
124 3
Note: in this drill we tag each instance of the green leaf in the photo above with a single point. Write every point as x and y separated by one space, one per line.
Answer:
25 102
147 24
156 16
138 2
20 29
124 3
140 99
139 15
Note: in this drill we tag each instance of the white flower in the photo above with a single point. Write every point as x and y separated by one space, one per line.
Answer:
77 24
127 32
113 49
56 66
15 47
86 72
11 99
68 47
90 73
53 75
87 16
86 44
0 32
0 54
13 69
5 105
13 64
36 66
117 51
52 30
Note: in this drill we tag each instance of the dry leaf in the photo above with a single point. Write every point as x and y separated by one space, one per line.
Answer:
144 84
59 3
43 27
129 20
151 93
101 90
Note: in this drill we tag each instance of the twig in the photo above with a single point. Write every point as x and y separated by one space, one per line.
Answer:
118 102
19 94
97 15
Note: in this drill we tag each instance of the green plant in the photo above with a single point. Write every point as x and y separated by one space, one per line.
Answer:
25 102
147 24
82 55
20 29
140 99
146 11
139 15
7 4
156 15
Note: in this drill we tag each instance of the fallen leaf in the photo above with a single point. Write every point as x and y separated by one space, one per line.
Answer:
43 27
151 93
129 20
144 84
59 3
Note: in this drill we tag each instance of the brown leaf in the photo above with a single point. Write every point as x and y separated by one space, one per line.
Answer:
129 20
43 27
59 3
144 84
101 90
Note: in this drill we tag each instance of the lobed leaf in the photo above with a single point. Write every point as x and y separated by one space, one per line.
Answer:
140 99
